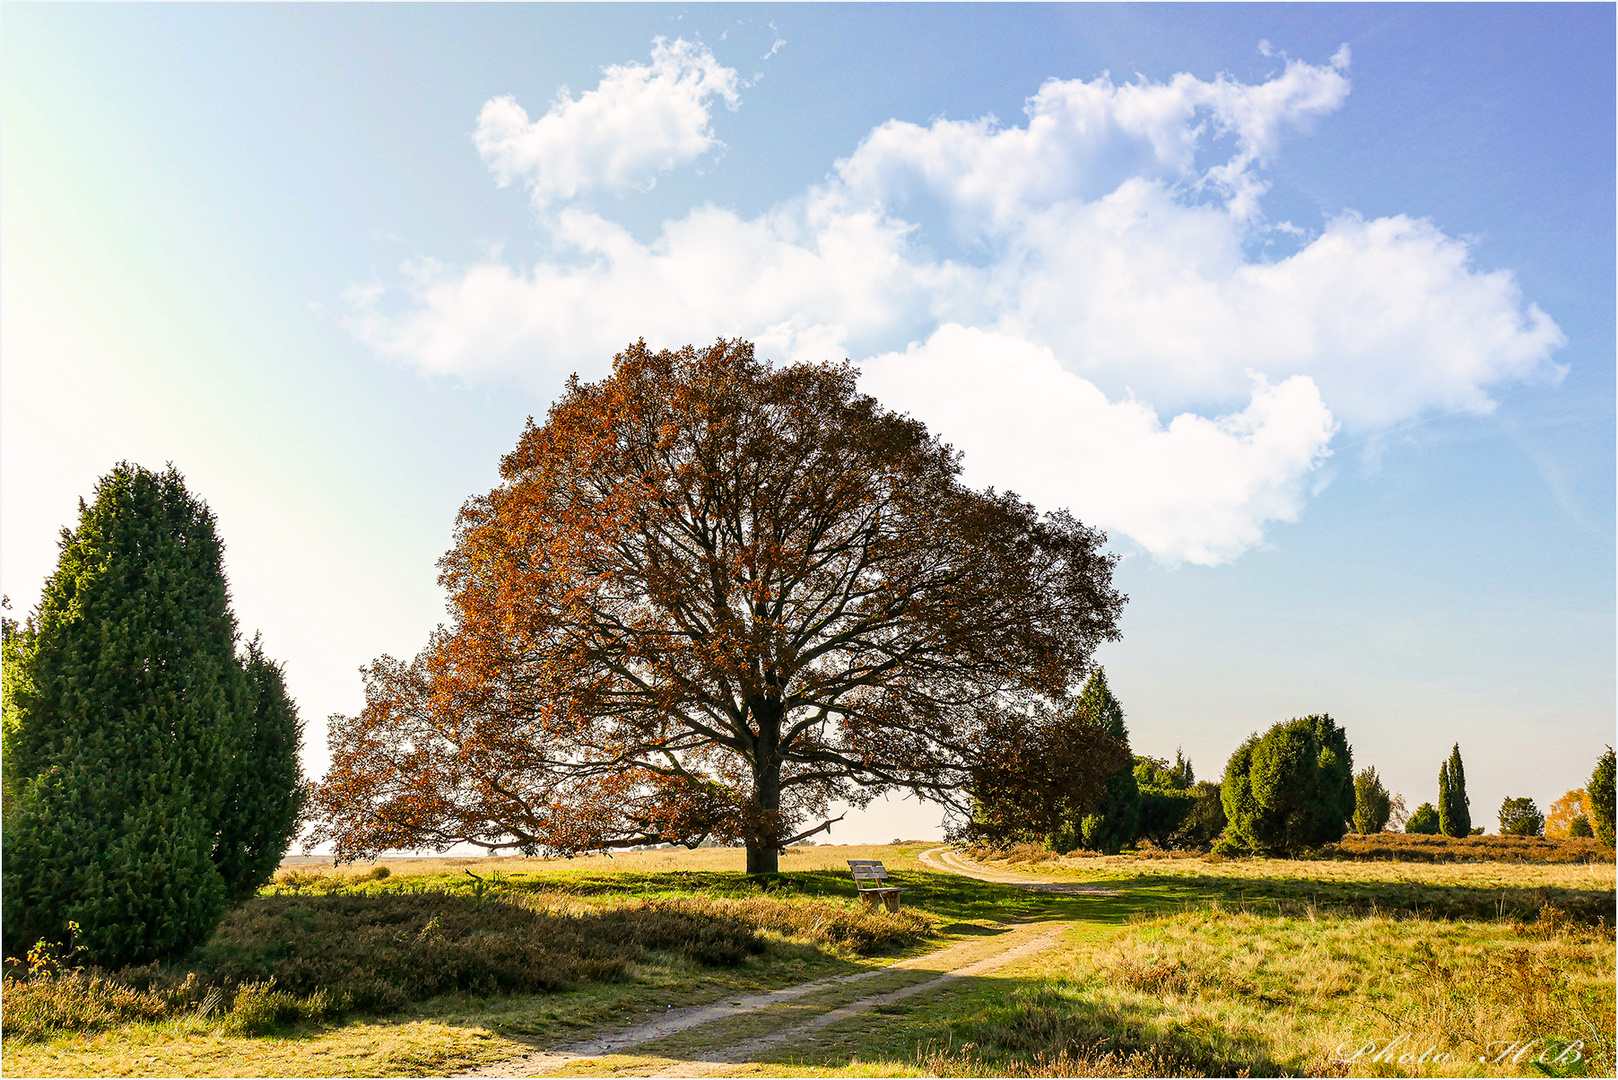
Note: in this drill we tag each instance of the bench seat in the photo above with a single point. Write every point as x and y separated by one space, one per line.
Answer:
870 880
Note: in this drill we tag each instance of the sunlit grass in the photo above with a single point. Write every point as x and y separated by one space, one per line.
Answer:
1195 966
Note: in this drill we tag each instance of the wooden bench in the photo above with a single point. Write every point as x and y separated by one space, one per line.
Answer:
870 879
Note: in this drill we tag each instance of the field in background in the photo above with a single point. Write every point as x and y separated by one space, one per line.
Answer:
1192 966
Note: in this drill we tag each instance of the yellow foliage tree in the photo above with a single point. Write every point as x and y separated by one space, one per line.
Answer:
1560 818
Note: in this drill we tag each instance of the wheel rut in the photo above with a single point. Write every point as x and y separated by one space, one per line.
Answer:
933 972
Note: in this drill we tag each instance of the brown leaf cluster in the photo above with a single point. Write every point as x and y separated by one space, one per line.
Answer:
710 597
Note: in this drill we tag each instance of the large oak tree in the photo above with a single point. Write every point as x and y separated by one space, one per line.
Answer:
711 597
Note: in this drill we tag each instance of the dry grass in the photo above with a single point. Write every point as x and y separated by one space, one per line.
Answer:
1219 993
322 943
1415 847
1461 890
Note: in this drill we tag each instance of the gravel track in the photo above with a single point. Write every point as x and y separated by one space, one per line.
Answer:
959 961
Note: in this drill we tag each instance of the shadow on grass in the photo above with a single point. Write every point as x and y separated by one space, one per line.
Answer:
1303 896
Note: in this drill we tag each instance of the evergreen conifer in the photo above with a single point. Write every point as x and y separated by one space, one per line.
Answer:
1454 808
1115 822
265 798
1289 788
123 738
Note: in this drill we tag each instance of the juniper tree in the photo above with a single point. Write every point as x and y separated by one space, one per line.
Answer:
264 798
1600 788
1454 807
1114 823
1372 803
123 738
1290 788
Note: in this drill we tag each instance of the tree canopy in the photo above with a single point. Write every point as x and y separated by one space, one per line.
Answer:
710 597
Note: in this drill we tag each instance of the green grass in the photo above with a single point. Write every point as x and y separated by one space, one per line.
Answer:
1193 967
1215 992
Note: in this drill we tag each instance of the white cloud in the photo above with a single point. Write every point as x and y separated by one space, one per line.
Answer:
1110 237
643 120
1196 490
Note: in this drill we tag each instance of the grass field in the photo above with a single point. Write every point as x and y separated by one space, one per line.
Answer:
1167 966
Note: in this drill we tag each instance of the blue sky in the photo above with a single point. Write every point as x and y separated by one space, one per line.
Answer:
1324 338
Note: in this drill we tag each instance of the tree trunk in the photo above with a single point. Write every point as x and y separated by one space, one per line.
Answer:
764 847
763 859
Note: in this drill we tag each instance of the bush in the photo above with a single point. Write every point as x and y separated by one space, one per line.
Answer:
1600 789
1434 848
1424 821
1579 827
120 730
40 1005
260 1009
1291 788
1372 803
1520 817
149 777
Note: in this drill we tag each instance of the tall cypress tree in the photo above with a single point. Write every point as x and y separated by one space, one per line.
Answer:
1454 808
265 797
119 733
1116 820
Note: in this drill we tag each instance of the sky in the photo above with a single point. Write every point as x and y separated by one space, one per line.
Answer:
1310 308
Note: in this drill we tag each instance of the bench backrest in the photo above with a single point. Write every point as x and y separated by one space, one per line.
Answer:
868 873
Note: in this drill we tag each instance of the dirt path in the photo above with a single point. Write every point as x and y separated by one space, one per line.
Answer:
953 862
959 961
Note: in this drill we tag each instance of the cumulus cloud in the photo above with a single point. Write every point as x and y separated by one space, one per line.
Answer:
1195 490
1107 265
643 120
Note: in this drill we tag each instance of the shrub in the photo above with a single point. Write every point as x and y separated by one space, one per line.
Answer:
149 776
1579 827
1290 788
1407 847
1372 803
1205 821
120 729
1424 820
40 1005
265 794
1600 789
260 1009
1520 817
1116 820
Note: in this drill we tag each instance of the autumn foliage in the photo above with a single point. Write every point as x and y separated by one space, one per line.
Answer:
709 598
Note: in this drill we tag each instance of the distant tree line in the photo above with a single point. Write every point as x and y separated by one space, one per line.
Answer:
1285 790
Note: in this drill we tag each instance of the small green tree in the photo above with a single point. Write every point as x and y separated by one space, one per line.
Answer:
149 773
1166 796
129 690
1580 827
1424 821
1520 817
265 793
1372 803
1204 822
1600 789
1116 820
1289 788
1454 807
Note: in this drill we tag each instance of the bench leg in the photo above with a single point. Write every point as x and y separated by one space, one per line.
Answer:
871 899
891 901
